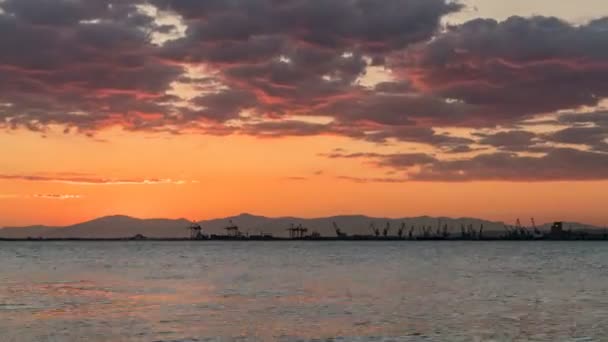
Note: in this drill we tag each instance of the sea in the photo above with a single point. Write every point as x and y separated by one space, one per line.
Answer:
304 291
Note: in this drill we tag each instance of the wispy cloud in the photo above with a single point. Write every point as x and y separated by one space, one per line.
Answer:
57 196
296 178
372 179
91 180
60 197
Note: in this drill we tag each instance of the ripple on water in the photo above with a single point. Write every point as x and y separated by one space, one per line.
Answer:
304 292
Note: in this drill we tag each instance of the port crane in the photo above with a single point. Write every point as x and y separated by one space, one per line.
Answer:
522 230
438 232
536 231
400 232
445 232
195 231
374 230
292 231
302 231
233 230
426 231
386 229
471 231
339 232
298 232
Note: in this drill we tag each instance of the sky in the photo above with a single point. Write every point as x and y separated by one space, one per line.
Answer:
201 109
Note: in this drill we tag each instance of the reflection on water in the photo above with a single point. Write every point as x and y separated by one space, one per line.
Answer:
303 291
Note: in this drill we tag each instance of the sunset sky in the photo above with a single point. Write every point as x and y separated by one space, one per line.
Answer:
208 108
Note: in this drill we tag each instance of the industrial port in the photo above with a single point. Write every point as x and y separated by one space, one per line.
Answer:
440 232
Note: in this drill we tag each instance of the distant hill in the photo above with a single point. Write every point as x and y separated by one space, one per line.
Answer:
125 226
21 232
105 227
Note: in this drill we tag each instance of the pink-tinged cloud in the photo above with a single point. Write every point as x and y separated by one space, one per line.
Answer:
518 67
60 197
89 65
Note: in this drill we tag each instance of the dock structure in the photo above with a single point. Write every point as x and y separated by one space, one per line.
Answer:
232 230
423 232
468 232
297 232
196 231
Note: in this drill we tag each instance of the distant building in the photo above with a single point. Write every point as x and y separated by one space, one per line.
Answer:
557 229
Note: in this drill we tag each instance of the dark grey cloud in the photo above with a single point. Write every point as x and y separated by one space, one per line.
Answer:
518 67
399 87
396 160
224 105
594 137
90 68
90 64
589 129
343 24
416 134
56 12
286 128
301 78
509 140
598 118
556 164
401 109
560 164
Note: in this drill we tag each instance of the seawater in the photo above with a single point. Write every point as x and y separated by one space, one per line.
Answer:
303 291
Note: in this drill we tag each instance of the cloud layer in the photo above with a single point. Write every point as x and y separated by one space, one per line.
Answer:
257 67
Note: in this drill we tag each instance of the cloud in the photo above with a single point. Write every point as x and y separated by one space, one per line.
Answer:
88 65
595 137
258 67
77 179
81 64
509 140
556 164
286 128
60 197
363 180
224 105
518 67
560 164
371 25
296 178
396 160
598 118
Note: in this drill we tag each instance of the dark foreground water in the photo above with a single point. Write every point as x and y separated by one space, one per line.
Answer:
303 291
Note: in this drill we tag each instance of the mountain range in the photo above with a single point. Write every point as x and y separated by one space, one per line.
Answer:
120 226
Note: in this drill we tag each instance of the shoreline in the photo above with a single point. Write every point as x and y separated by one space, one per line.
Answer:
281 239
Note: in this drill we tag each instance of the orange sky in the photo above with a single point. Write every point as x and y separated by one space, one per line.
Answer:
225 176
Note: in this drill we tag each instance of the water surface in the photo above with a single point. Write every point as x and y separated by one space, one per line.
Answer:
303 291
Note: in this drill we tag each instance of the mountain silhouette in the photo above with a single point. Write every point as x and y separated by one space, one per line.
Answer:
120 226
